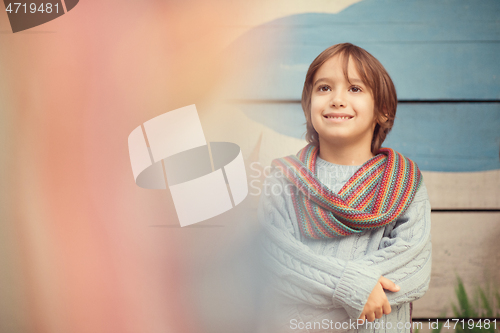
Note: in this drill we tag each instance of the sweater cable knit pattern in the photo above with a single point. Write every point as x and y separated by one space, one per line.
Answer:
332 278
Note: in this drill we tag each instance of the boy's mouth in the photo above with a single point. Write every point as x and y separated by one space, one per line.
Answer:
338 116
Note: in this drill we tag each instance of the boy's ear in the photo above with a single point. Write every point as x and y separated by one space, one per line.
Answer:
385 117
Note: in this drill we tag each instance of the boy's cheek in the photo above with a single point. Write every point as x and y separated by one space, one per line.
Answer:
316 107
318 99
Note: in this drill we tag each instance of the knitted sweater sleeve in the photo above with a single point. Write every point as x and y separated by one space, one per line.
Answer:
404 255
328 282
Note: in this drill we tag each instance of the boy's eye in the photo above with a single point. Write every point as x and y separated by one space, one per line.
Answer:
355 89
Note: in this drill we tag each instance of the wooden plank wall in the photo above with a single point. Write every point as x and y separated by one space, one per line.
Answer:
443 58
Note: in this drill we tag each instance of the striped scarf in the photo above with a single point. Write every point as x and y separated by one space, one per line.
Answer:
376 195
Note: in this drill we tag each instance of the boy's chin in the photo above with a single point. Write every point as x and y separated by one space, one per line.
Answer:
340 141
335 139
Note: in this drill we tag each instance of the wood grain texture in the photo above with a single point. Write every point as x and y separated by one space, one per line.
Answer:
463 244
463 190
444 137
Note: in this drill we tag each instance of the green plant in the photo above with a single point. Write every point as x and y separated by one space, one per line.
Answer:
482 305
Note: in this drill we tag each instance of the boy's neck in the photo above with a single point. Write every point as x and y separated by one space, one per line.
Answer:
344 155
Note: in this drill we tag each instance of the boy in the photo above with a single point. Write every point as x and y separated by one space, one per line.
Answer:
347 239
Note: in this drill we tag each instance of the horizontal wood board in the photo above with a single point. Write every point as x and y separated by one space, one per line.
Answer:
444 137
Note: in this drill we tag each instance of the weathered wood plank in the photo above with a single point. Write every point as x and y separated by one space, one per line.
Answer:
463 244
445 137
463 190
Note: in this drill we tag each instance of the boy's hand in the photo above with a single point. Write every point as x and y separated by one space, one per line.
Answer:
377 303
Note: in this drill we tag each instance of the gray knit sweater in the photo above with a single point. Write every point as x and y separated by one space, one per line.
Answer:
323 285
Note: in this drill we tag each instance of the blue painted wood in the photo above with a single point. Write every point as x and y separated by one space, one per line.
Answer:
432 49
450 137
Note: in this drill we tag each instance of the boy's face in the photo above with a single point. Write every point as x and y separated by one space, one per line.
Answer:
333 97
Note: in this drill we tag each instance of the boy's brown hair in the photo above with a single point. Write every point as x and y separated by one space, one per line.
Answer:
372 73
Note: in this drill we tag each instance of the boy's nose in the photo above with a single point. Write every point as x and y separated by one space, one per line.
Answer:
337 100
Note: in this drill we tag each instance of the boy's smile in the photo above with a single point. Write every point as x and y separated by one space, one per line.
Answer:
341 112
337 117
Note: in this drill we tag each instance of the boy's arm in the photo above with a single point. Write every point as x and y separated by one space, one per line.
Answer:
301 274
404 257
330 282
